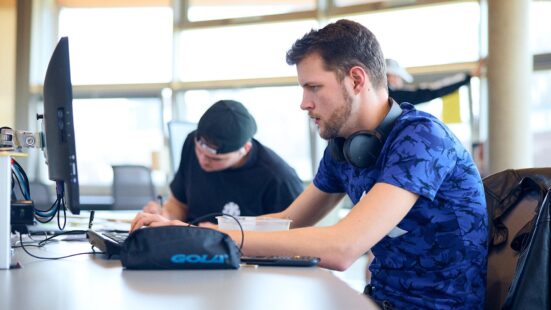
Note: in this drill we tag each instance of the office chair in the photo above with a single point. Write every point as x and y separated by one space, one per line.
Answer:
515 199
132 187
41 195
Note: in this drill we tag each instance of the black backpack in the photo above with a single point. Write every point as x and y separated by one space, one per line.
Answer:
519 241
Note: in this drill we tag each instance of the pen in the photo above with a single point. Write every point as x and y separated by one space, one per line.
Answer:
160 198
91 219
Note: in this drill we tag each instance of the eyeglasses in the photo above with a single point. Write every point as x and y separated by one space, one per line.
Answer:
204 146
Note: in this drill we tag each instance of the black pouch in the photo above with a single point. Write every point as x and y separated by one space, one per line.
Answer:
179 247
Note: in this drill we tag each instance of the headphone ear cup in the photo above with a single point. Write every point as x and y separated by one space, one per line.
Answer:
335 147
362 149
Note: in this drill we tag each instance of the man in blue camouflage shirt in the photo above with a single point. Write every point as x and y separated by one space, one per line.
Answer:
419 202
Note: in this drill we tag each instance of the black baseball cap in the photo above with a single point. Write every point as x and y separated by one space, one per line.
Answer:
226 126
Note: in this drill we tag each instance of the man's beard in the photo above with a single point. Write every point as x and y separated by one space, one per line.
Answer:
335 123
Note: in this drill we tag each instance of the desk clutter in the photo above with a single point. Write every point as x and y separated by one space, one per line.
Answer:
183 247
171 247
168 247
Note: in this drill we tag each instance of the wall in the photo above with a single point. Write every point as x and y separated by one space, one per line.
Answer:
7 62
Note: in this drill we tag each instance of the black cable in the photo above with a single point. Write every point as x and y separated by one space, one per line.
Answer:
209 215
15 180
55 235
60 193
12 183
39 217
27 244
18 166
21 173
61 207
52 258
41 212
43 216
57 207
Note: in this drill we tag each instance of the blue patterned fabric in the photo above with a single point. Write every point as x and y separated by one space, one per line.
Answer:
440 262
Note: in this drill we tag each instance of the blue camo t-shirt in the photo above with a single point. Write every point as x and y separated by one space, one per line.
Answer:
438 258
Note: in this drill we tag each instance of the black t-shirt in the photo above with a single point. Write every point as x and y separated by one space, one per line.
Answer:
265 184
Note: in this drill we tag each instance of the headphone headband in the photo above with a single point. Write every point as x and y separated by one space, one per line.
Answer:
388 122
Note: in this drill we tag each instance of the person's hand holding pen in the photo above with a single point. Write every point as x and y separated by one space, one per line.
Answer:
153 220
153 216
154 207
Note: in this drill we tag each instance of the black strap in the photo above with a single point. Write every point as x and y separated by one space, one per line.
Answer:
385 304
500 233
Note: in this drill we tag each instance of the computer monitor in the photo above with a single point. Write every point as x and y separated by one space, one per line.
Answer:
59 132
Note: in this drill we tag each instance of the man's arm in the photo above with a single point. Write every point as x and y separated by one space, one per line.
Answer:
339 245
436 90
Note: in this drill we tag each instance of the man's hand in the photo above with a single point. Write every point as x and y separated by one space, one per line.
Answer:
152 220
152 207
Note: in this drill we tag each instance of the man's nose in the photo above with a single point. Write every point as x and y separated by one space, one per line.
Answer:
307 103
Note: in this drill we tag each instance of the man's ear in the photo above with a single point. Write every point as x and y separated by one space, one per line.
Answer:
247 147
358 76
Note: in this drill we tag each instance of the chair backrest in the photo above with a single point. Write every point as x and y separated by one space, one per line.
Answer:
531 286
512 198
132 187
41 195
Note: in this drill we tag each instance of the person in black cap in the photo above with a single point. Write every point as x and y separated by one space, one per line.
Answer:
224 169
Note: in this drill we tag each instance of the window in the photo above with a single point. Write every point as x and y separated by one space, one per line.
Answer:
428 35
200 10
541 117
354 2
540 27
115 131
238 52
118 45
132 48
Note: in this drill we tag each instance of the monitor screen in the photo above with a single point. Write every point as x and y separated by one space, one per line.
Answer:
59 133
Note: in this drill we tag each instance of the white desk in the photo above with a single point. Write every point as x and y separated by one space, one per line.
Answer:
88 282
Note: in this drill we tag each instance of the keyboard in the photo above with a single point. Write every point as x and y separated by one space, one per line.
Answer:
288 261
110 243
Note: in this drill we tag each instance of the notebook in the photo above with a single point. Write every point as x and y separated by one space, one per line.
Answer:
110 243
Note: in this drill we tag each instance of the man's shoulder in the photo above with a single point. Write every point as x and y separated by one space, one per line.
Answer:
420 123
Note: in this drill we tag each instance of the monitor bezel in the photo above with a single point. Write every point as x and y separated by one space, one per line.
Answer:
58 127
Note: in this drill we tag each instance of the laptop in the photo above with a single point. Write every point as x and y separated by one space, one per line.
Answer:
110 243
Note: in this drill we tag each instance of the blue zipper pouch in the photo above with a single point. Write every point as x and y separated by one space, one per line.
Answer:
179 247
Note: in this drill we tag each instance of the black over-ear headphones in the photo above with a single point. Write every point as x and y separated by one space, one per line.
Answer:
362 148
